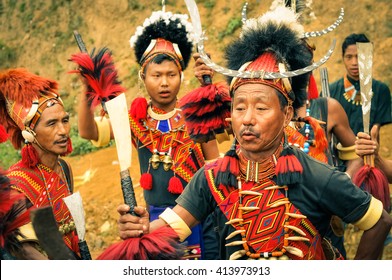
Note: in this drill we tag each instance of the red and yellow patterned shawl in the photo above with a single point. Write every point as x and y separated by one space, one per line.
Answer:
44 187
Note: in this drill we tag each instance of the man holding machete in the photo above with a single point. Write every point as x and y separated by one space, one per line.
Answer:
272 201
168 157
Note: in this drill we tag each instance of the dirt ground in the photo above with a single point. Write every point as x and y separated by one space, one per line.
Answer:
97 178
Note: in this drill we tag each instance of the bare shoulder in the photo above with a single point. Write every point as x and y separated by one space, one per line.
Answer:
335 109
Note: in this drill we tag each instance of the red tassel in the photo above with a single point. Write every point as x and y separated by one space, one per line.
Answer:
3 134
74 242
228 168
288 168
162 244
312 88
374 181
321 142
175 185
146 181
30 156
138 109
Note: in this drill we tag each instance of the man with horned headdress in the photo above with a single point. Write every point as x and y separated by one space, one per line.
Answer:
271 200
34 119
168 157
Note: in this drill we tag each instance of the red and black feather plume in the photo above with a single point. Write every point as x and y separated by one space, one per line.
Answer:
205 110
100 75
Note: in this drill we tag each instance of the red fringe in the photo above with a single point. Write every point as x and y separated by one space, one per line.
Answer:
138 109
374 181
288 168
23 87
30 156
3 134
205 110
175 185
162 244
312 88
288 163
74 242
146 181
204 127
321 142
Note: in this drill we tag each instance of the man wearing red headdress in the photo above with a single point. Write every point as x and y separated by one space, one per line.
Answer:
34 119
271 200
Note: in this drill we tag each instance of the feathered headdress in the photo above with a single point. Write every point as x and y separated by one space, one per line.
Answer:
22 96
271 50
272 45
163 33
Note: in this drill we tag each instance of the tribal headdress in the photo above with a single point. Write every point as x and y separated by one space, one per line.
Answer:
272 50
163 33
23 98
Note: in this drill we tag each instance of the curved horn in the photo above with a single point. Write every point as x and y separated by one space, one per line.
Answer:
326 30
243 13
263 74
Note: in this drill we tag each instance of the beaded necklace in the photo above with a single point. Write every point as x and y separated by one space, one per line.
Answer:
166 123
350 93
307 142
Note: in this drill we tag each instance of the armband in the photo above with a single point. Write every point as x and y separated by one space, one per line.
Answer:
103 128
372 215
346 153
176 223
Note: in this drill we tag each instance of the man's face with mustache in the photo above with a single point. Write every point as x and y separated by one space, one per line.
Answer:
258 120
52 129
